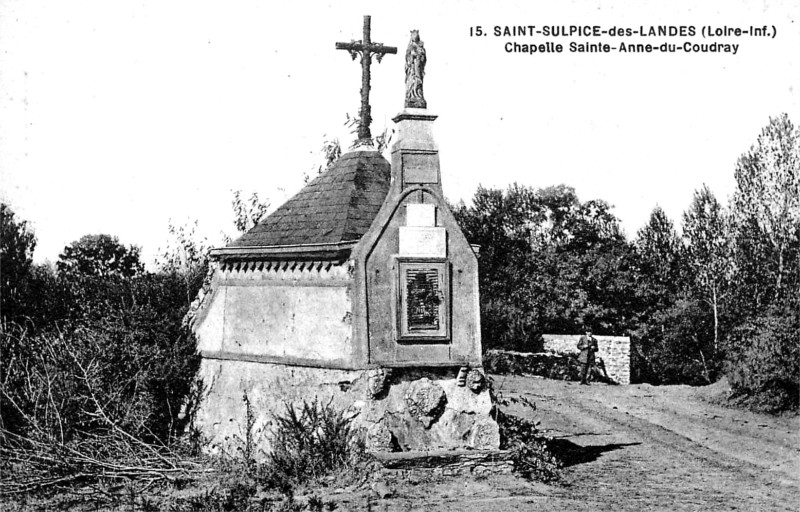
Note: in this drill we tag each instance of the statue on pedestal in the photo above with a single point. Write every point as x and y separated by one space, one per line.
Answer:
415 72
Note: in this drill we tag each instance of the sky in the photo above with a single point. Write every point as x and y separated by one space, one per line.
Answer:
125 117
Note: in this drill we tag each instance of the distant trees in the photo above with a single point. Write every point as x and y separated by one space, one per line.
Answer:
549 262
17 243
668 333
95 355
100 256
659 256
721 296
97 358
708 251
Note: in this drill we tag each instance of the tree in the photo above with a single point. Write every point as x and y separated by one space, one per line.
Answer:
761 348
708 250
17 243
503 224
99 256
766 203
659 250
658 287
548 263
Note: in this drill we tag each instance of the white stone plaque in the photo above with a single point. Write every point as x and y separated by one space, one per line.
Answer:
423 242
421 215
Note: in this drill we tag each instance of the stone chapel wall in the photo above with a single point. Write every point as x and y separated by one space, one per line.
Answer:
287 314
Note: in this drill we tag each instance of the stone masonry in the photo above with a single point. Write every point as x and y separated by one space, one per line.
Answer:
615 351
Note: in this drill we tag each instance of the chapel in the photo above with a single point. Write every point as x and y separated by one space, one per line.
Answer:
360 291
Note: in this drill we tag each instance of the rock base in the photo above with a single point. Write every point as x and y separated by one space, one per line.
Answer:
400 410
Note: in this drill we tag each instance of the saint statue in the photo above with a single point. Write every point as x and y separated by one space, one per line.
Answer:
415 72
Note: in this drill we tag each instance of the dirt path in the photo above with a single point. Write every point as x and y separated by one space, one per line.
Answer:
635 447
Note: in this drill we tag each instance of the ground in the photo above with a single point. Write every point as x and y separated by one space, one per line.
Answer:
625 448
636 447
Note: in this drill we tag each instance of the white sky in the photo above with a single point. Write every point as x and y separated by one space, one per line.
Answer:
116 117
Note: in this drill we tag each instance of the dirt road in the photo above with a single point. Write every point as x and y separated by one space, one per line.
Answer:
635 447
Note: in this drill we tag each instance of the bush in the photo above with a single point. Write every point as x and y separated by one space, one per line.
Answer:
764 359
676 346
101 393
309 442
532 457
123 359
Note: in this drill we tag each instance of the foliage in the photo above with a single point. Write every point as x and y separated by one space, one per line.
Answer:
695 304
94 405
99 256
681 287
680 344
247 213
532 458
97 383
659 254
127 355
313 444
764 360
548 262
187 258
708 254
766 204
308 442
762 344
17 243
331 149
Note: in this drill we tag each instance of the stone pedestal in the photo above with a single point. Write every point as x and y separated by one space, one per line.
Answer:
415 156
399 410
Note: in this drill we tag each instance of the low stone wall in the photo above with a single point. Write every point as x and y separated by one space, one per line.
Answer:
615 351
557 366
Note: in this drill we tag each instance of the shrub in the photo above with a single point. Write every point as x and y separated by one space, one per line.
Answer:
308 442
676 345
764 359
532 458
127 362
100 394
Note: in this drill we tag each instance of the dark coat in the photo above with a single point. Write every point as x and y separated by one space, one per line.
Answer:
588 346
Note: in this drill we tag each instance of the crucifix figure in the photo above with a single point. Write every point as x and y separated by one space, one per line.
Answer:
366 48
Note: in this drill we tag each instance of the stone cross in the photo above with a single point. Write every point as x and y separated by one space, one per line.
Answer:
366 48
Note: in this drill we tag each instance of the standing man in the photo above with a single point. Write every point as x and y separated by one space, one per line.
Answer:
588 346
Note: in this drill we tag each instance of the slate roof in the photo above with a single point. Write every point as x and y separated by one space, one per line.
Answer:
338 206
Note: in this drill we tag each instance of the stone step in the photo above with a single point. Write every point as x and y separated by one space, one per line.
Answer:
448 462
